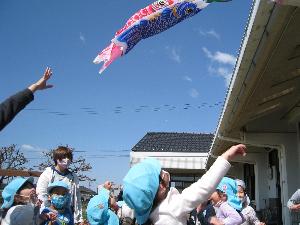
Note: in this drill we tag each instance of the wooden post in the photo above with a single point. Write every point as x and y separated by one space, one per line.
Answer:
22 173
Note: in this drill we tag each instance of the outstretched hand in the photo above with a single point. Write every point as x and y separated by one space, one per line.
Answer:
295 207
234 151
41 84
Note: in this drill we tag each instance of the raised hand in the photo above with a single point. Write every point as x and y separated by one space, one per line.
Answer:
234 151
41 84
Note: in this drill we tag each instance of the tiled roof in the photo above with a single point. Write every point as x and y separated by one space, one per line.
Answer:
174 142
86 190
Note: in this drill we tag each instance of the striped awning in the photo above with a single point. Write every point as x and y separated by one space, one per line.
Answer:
173 160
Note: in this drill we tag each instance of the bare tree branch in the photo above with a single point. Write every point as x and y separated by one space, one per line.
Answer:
11 158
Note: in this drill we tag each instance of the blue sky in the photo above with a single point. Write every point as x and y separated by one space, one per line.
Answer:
173 82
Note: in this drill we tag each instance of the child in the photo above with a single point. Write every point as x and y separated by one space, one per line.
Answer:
99 209
125 214
247 211
20 203
226 203
59 212
62 158
203 213
146 190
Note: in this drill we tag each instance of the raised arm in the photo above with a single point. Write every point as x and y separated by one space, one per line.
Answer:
294 202
201 190
14 104
41 84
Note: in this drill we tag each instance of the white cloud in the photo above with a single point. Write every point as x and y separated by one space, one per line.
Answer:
174 54
27 147
220 57
222 64
210 32
194 93
30 148
187 78
224 72
213 33
82 38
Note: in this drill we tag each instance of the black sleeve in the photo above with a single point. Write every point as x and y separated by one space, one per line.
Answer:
13 105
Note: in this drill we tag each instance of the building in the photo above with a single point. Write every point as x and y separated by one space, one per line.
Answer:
262 108
86 193
183 154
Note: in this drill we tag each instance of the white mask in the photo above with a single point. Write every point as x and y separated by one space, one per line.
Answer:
64 163
31 200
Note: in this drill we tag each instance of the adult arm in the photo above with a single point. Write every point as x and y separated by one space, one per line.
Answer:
14 104
294 202
42 185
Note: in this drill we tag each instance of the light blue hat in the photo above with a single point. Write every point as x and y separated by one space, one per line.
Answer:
140 186
98 212
120 203
9 192
57 184
229 187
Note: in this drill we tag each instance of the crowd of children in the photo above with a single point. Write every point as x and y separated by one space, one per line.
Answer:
146 197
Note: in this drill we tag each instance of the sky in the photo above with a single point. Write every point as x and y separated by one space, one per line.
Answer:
175 81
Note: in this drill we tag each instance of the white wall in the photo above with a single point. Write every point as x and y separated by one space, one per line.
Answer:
287 144
236 171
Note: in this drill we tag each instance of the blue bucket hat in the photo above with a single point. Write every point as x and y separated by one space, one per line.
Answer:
229 187
9 192
57 184
98 212
140 186
120 203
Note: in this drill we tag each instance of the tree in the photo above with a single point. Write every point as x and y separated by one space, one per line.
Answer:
11 158
79 166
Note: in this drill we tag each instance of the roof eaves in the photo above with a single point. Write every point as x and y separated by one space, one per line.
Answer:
236 82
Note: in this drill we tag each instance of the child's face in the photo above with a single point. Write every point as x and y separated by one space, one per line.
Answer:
215 198
26 194
59 191
58 197
27 189
240 193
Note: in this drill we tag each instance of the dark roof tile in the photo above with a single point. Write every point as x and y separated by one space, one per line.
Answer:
174 142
